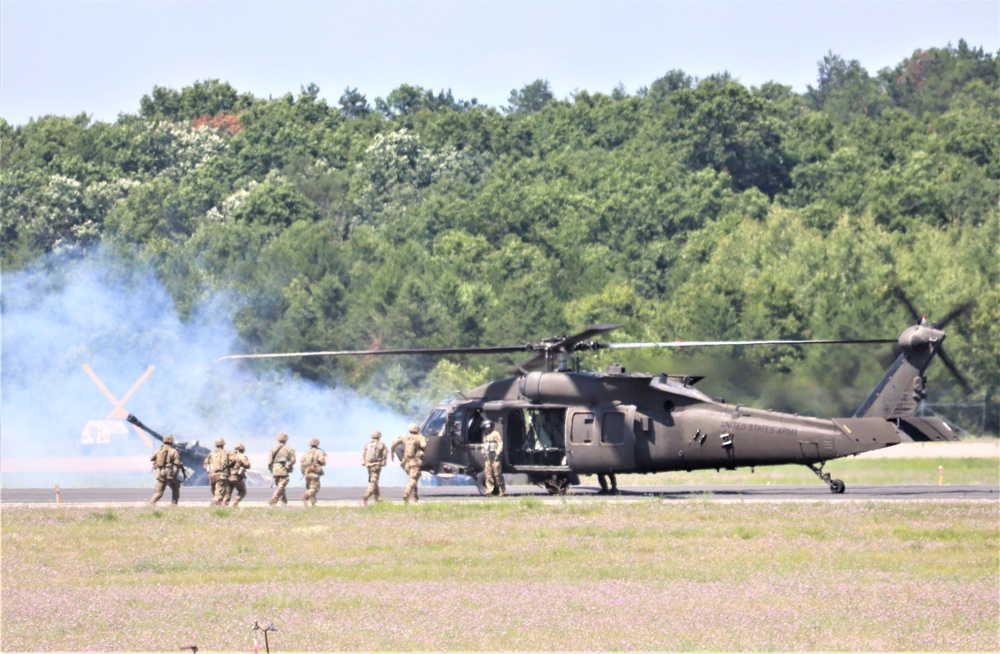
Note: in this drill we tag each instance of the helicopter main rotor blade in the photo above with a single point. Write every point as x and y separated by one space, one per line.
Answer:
569 343
500 349
545 350
856 341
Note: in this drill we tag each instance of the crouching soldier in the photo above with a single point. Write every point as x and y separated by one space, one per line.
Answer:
167 464
374 456
239 464
281 462
312 469
217 466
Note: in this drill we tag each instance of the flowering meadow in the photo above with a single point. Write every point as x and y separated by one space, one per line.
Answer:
506 575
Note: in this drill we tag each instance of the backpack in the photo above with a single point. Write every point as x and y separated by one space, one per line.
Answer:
161 457
219 460
372 452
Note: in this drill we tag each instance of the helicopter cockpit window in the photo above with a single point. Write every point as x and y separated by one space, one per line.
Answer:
434 425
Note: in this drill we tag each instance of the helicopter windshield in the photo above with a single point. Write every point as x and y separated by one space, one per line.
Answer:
434 425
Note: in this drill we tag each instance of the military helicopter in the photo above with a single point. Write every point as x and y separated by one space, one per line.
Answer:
559 423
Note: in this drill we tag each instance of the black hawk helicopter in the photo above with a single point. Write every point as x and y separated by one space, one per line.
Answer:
559 423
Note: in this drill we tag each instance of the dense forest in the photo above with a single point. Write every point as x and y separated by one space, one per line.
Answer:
690 209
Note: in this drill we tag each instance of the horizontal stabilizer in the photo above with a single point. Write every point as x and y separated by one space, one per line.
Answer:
928 428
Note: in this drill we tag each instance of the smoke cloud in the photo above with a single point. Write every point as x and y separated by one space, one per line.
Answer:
64 314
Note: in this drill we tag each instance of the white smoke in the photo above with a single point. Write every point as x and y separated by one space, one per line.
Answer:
66 313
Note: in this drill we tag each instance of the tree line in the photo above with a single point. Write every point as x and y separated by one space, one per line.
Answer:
690 209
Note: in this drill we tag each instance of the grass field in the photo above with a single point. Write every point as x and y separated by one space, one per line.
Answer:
515 575
953 471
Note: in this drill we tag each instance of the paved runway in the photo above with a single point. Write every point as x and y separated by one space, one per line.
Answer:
341 495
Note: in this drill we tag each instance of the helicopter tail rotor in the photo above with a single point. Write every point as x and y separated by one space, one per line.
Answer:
921 319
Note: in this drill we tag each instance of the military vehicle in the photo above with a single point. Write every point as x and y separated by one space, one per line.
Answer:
559 423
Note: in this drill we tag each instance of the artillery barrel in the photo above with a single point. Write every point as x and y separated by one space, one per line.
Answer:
138 423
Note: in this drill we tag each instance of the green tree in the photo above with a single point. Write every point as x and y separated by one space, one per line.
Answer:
530 98
354 104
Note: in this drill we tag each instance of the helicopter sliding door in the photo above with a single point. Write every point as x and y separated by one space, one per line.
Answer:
536 436
602 440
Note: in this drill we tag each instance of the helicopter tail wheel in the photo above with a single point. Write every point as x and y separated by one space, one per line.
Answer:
557 485
836 485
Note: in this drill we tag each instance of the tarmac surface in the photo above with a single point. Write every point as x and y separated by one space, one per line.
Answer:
346 495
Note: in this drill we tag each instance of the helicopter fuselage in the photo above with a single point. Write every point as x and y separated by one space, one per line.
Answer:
572 423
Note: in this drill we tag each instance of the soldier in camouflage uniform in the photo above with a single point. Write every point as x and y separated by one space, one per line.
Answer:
374 456
413 445
239 464
312 469
167 464
492 451
217 466
281 461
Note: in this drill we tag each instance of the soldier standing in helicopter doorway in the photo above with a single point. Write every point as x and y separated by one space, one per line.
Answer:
413 445
239 464
167 464
217 466
492 461
313 462
374 456
281 462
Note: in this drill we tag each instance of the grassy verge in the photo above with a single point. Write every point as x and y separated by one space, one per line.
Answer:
520 575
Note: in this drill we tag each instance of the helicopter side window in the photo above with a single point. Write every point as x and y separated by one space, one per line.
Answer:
613 428
475 427
583 427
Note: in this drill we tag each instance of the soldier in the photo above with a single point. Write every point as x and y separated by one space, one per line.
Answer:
217 466
167 464
281 462
312 469
240 463
413 445
602 479
374 456
493 449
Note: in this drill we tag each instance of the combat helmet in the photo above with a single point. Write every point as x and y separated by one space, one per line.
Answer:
168 439
314 442
414 428
240 447
220 442
282 437
376 434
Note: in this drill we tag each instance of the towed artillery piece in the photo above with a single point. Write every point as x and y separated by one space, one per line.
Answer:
193 458
192 455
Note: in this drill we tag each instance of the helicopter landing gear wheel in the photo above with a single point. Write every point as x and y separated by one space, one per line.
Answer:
557 485
836 485
481 483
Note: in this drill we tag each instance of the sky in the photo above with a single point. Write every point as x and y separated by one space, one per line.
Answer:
100 58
